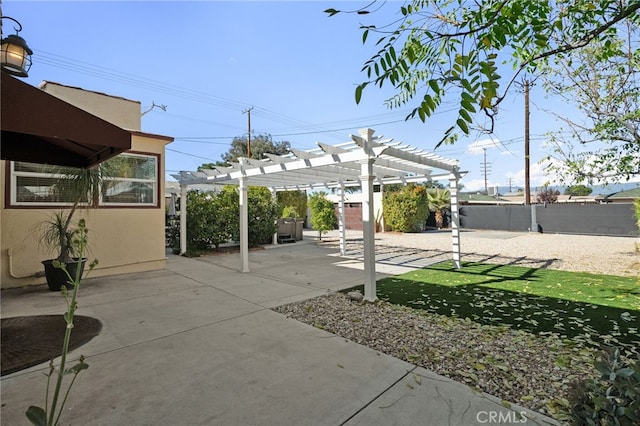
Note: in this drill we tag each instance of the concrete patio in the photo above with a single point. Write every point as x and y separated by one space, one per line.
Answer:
197 344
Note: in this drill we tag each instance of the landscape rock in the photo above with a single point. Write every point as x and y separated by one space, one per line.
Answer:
355 295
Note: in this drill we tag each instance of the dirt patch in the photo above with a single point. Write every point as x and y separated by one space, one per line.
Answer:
30 340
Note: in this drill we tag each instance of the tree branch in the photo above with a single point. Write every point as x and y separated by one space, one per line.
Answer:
631 9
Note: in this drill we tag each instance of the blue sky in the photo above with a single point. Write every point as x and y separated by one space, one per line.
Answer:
208 61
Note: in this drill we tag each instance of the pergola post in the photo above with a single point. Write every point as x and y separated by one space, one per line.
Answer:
455 221
183 219
382 224
274 197
244 219
342 224
368 225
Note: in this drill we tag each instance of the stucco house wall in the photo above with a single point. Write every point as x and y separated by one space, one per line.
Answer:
122 112
123 238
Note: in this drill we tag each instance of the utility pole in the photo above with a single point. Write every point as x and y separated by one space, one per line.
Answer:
486 168
248 112
510 180
527 183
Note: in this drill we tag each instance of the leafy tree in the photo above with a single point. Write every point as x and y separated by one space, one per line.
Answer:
395 187
213 165
323 213
547 195
441 50
293 201
603 139
578 190
260 145
406 210
438 201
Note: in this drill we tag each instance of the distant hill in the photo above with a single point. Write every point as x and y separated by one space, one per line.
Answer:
612 189
629 193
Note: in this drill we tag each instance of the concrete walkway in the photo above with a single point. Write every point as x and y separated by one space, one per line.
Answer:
197 344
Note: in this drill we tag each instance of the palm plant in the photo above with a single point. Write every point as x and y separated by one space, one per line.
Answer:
77 186
58 232
438 200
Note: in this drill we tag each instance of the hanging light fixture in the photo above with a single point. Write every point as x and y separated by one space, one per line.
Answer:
15 55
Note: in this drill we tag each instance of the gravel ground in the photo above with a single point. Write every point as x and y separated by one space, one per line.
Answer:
535 371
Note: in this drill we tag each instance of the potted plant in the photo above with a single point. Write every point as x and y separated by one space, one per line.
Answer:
60 232
57 233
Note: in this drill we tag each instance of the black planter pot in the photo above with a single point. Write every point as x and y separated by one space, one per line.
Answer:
56 277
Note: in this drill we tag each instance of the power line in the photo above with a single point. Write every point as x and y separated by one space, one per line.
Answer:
70 64
188 154
74 65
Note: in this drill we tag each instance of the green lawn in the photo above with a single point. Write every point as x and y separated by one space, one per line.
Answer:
606 290
601 308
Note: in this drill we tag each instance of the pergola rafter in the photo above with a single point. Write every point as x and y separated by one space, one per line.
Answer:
362 162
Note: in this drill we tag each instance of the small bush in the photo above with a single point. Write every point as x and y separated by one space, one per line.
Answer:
406 210
613 398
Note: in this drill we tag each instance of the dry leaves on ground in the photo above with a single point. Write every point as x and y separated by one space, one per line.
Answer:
535 371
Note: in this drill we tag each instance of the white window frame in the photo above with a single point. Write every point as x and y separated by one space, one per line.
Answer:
13 190
154 183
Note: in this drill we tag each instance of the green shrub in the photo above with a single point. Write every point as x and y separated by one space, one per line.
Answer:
214 219
323 213
263 213
406 210
172 235
228 201
289 212
210 218
613 398
295 201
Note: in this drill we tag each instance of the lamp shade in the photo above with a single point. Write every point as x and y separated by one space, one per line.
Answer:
15 56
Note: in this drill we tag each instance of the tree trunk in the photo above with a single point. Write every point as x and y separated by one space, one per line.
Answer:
439 219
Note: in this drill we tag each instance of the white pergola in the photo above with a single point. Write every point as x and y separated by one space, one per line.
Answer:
364 161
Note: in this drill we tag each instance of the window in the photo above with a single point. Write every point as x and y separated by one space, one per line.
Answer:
129 180
134 181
